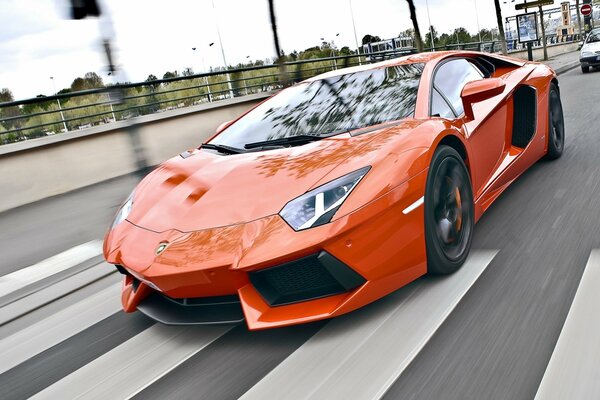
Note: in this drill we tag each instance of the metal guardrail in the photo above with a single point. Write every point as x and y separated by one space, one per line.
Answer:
82 109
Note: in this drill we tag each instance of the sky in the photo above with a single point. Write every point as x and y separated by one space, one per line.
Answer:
38 41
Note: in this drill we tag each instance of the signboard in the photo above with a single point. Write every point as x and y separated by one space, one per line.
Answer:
586 10
538 3
527 27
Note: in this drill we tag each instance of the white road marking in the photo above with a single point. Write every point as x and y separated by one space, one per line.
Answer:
129 368
46 295
44 334
60 262
574 368
413 206
360 355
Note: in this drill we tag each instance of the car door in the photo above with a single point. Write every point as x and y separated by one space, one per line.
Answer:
486 133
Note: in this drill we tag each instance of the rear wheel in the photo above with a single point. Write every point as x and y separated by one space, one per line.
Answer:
585 70
556 124
449 216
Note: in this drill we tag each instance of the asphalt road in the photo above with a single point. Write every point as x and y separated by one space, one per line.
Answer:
495 344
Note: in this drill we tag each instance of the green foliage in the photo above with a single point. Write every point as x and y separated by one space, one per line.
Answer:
370 39
90 80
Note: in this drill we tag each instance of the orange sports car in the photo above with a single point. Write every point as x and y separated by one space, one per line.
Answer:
334 192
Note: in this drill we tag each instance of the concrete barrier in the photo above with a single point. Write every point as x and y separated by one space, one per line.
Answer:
40 168
553 50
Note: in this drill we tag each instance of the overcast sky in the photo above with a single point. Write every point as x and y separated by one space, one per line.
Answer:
155 36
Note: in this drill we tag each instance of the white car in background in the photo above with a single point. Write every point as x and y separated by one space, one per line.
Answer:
590 52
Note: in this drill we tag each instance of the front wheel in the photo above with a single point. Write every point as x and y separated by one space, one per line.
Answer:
585 70
449 214
556 125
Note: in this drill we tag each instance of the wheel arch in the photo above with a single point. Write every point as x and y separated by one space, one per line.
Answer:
457 144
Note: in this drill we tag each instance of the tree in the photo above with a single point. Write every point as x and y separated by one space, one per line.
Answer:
370 39
152 78
413 18
278 50
90 80
7 112
188 72
500 26
170 74
407 33
462 35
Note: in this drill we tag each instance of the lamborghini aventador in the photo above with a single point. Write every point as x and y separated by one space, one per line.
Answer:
335 191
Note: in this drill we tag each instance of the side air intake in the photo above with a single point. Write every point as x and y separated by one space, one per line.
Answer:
525 114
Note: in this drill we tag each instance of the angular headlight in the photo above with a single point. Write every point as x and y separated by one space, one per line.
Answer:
587 54
123 212
318 206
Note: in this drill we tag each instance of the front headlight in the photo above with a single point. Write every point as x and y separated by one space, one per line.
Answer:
123 212
318 206
587 54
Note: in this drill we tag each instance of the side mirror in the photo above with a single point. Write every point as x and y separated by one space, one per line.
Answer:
579 45
224 125
480 90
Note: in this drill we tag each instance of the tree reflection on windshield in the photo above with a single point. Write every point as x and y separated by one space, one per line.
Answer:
334 104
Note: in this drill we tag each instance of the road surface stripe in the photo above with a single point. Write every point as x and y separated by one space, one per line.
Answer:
60 262
44 334
360 355
51 293
574 368
135 364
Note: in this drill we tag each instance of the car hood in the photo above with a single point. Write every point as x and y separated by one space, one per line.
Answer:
209 190
593 47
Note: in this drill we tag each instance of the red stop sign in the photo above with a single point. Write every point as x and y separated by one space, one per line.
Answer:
586 10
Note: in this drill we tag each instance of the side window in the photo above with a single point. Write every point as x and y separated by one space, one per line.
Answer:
439 106
452 77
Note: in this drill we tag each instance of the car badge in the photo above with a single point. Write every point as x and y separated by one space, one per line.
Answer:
161 248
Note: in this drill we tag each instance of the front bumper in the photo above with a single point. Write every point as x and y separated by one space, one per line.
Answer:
380 247
593 61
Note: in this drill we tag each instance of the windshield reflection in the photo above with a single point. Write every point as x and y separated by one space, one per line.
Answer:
334 104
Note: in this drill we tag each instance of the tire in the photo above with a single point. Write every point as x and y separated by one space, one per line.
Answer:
449 212
556 124
585 70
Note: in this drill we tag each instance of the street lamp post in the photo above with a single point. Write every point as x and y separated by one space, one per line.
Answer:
354 28
430 27
222 50
110 102
244 79
62 116
205 78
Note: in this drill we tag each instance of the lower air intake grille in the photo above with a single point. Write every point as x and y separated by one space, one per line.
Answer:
318 275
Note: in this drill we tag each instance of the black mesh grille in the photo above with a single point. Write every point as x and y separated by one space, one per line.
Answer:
308 278
524 119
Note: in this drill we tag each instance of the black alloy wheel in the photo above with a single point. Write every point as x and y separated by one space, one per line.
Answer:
449 212
556 124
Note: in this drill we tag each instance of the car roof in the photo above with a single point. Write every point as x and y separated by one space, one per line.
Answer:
425 58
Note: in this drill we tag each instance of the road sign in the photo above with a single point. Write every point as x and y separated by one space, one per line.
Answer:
538 3
586 10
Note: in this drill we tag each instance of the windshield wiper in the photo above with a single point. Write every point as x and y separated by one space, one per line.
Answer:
297 140
222 148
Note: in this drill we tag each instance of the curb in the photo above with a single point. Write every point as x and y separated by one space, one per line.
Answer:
567 67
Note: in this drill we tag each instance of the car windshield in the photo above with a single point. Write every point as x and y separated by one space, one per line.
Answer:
329 105
593 37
